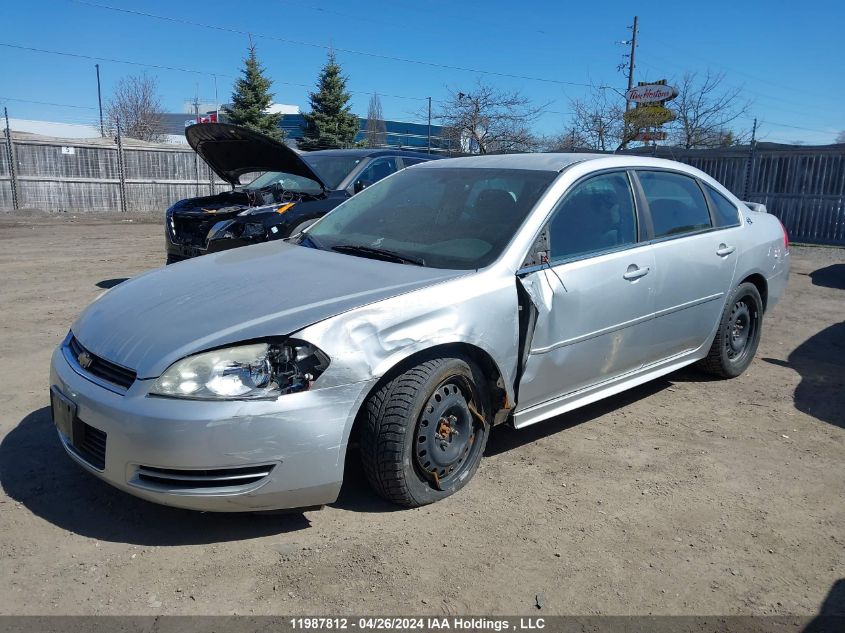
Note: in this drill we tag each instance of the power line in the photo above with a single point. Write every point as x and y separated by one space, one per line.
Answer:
754 93
351 51
47 103
112 60
733 70
172 68
797 127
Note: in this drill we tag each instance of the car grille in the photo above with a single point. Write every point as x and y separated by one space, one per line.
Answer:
191 232
209 478
90 444
100 367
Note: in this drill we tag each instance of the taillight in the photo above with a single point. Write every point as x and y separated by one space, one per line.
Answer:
785 238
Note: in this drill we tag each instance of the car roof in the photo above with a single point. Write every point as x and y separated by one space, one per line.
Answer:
555 162
367 153
534 160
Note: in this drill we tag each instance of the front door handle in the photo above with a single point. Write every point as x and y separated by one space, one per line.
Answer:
635 272
724 250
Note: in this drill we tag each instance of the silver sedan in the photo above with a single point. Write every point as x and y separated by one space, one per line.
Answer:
449 298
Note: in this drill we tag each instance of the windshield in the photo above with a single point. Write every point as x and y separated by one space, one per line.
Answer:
289 182
457 218
332 168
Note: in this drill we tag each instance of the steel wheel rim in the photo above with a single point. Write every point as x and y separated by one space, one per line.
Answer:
741 329
446 434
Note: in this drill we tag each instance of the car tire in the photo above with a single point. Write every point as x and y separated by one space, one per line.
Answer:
425 431
738 335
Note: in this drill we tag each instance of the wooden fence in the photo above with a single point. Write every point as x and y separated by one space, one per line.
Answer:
803 186
98 175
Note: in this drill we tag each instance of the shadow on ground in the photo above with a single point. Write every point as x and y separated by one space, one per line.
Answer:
820 360
111 283
36 472
506 438
831 616
832 276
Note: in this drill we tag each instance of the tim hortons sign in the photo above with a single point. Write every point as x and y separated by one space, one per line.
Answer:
651 93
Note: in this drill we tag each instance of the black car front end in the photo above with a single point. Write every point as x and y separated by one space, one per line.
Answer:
206 225
188 223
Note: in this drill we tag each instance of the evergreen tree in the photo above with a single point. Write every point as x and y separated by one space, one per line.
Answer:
330 124
252 97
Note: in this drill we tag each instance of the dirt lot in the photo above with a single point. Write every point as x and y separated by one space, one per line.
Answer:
685 496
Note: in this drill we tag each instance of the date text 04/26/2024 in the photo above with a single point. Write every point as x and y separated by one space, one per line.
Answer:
417 624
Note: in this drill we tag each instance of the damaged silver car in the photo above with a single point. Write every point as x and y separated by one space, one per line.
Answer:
449 298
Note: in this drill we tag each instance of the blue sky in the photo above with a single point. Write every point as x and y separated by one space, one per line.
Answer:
787 56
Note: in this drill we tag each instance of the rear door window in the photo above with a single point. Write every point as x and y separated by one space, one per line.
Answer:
676 203
724 212
597 214
378 169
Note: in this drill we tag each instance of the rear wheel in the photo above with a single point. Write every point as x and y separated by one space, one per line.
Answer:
425 432
738 336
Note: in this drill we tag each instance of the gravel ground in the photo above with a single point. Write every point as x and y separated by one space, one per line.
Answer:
684 496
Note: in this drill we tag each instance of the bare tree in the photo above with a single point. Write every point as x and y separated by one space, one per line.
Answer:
375 130
136 104
840 138
570 140
705 110
598 122
490 121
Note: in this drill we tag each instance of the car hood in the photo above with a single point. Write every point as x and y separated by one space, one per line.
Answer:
270 289
232 151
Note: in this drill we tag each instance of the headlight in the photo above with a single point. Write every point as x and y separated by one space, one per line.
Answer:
230 229
245 372
252 229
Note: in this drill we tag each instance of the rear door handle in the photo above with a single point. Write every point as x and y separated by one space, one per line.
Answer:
635 272
724 250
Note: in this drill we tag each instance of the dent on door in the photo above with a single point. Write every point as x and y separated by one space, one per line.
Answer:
590 324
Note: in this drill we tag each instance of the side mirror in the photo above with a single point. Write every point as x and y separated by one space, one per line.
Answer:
360 185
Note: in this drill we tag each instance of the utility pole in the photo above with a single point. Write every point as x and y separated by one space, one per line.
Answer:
631 64
100 101
429 125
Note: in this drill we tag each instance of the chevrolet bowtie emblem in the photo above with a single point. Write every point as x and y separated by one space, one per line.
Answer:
84 359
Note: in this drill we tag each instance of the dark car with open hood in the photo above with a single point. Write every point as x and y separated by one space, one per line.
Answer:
292 191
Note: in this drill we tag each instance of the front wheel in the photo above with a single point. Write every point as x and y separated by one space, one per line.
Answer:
738 336
425 431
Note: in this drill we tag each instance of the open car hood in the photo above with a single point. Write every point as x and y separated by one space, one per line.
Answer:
232 151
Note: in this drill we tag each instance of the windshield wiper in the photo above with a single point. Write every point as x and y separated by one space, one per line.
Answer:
378 253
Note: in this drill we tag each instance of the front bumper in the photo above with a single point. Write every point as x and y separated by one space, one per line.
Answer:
180 252
173 451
